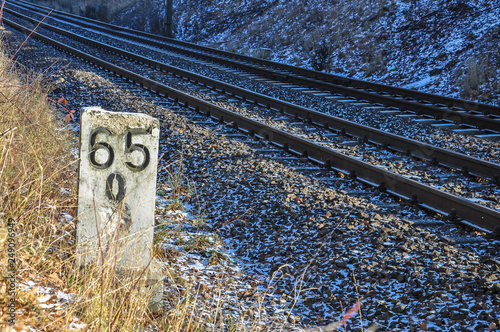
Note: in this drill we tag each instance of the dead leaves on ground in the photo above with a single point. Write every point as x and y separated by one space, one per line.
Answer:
70 114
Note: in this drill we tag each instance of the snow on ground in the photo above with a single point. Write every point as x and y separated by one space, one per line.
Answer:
397 42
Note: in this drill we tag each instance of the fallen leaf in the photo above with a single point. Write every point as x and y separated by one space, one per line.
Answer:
55 278
62 100
246 293
351 312
69 117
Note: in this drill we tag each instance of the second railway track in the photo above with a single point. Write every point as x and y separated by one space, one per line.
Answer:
452 110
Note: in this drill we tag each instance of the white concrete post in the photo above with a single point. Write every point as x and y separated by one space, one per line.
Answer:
117 187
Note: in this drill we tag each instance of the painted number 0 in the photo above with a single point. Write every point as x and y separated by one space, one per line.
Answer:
115 195
129 148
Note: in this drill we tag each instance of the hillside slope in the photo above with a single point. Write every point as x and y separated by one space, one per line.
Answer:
447 47
443 46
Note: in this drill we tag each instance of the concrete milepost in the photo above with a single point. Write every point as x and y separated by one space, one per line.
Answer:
116 195
117 187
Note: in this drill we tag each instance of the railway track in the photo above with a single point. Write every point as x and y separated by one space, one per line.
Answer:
253 190
453 111
364 133
328 154
464 108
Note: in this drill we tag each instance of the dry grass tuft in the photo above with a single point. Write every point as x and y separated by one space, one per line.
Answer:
36 179
111 300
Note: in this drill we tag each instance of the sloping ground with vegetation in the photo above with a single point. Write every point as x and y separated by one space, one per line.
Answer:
442 46
36 186
448 47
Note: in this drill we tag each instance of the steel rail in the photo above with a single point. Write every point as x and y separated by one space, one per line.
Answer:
480 217
444 157
334 80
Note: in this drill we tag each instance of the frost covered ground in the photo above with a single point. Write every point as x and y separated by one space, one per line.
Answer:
276 217
441 46
446 47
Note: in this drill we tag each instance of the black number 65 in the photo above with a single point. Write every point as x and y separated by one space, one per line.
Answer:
129 148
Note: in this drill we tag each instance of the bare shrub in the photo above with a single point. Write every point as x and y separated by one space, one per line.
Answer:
310 41
321 56
475 76
374 59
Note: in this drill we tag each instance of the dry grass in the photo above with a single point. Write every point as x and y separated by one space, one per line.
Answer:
36 177
111 300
